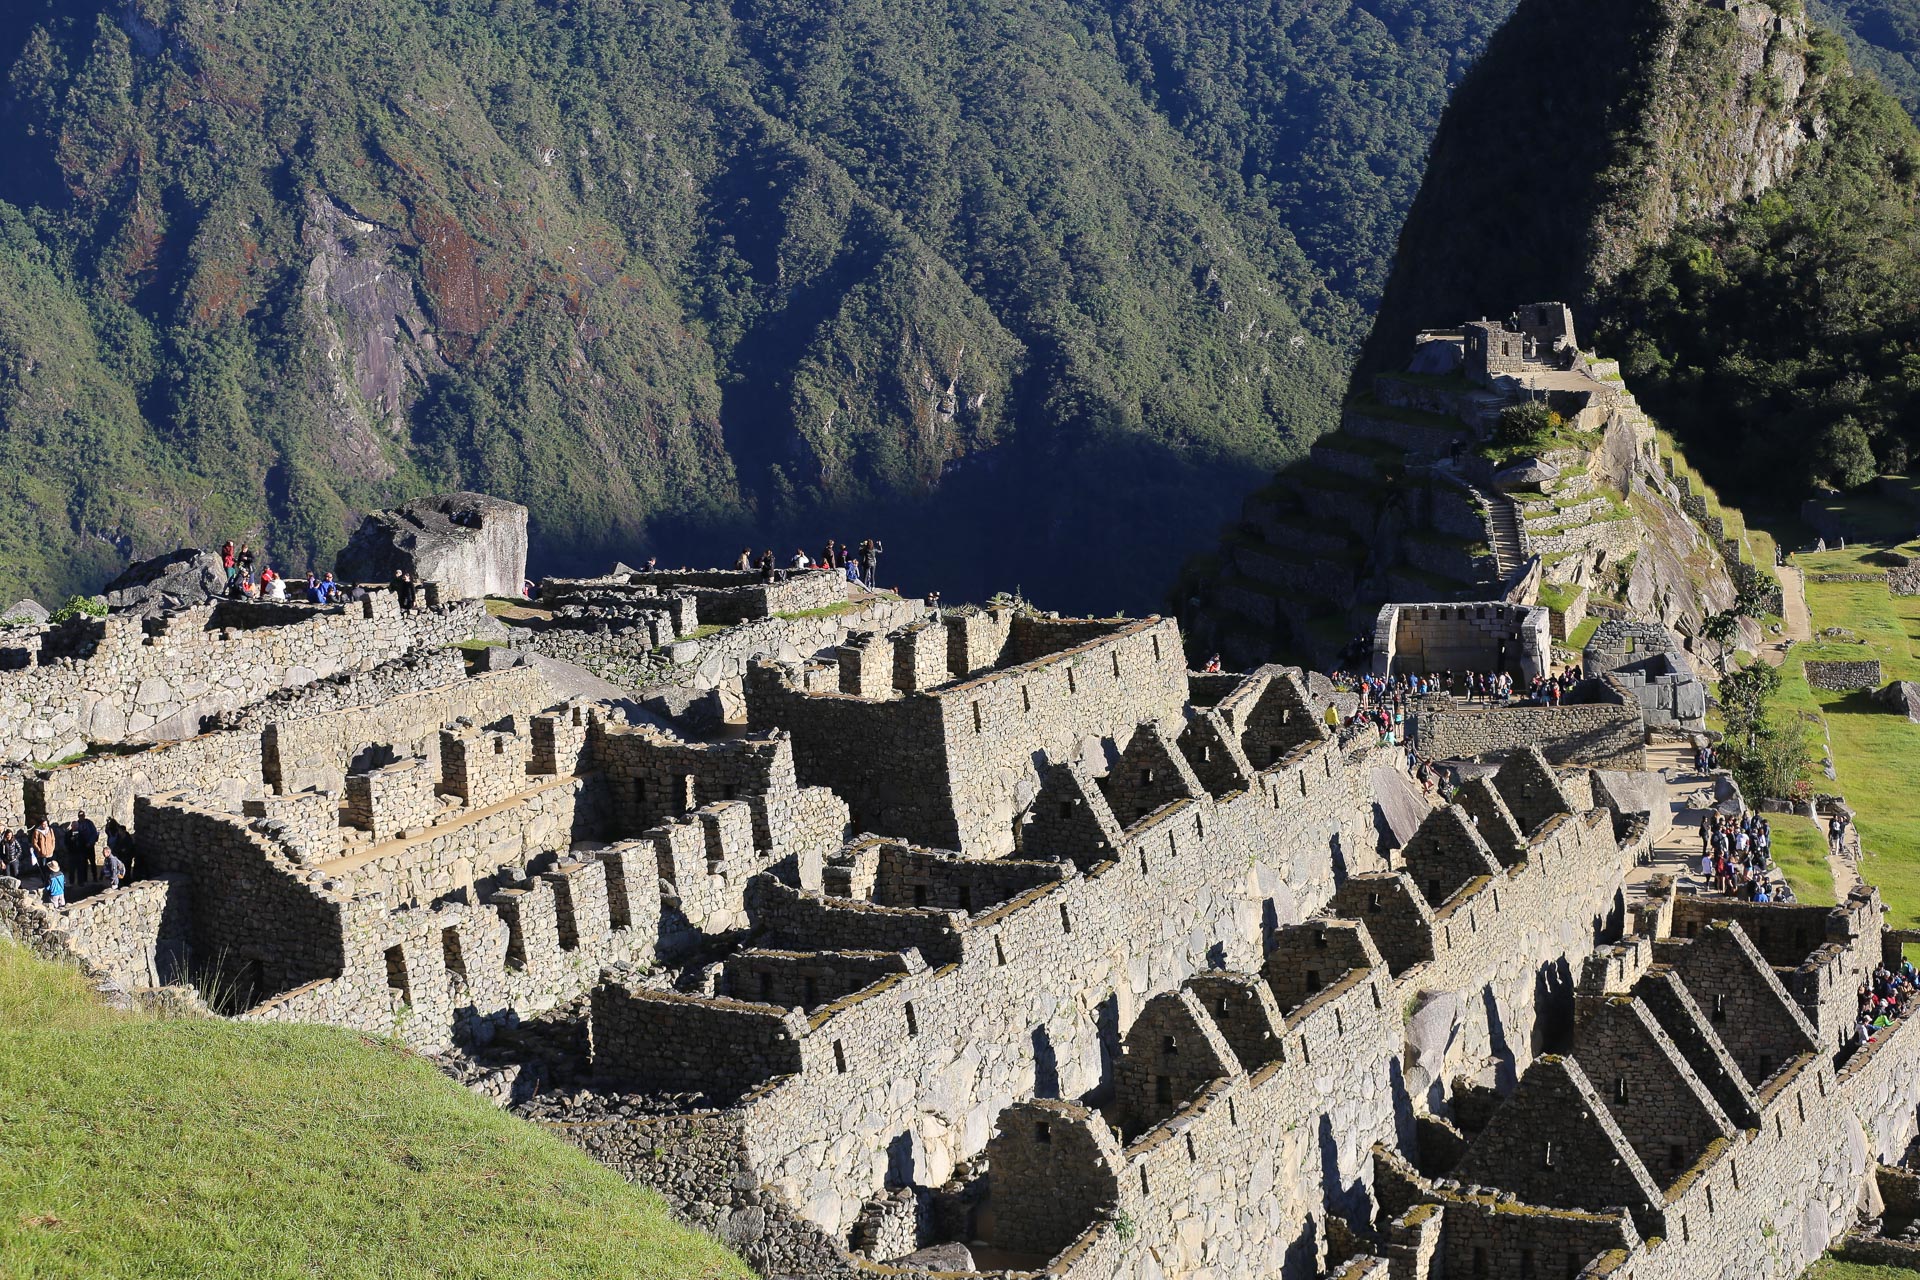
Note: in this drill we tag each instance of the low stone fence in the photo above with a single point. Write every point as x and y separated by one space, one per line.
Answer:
1905 580
1844 677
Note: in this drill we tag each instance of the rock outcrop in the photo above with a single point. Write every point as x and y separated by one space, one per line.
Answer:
164 584
468 543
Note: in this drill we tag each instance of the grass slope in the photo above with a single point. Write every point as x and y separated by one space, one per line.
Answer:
1834 1269
133 1146
1873 748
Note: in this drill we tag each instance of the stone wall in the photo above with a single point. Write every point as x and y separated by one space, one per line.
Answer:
1606 728
1844 677
1904 580
112 680
953 767
319 745
1487 636
1645 660
135 936
1057 970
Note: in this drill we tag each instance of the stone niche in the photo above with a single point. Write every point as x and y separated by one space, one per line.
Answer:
468 543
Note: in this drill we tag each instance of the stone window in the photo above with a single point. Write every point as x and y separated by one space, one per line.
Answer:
1719 1008
1526 1264
1480 1261
1156 648
1313 980
976 717
999 952
1146 776
1026 699
1676 1157
810 986
1072 687
1170 1047
1066 921
1546 1157
1620 1090
913 1024
839 1058
450 949
966 903
1143 1168
1163 1089
766 987
1192 1155
1115 655
1043 1133
397 975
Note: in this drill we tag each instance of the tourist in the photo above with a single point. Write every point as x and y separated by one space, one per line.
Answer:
120 845
1213 663
112 870
766 566
402 586
745 563
56 886
800 560
245 559
226 559
275 586
82 839
45 843
829 560
853 572
1836 833
9 855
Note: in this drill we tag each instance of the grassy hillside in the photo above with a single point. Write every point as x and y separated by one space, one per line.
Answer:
1873 746
135 1147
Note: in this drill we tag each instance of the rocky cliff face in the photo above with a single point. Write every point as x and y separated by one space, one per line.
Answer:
1587 132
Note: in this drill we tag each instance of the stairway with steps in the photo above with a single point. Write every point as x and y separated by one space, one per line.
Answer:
1509 547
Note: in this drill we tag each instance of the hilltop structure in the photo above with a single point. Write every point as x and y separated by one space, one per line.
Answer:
1424 496
995 943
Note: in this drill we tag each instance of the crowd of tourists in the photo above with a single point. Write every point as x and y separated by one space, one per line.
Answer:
49 857
1736 857
1475 687
315 588
859 563
1884 999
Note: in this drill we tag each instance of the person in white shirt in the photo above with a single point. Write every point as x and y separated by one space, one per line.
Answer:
800 560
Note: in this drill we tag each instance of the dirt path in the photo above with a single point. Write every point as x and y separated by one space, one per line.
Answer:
1796 623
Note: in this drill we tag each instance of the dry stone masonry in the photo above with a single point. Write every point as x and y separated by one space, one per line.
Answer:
998 943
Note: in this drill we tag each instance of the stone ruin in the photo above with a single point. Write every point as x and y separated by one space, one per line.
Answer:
471 544
1001 944
1646 660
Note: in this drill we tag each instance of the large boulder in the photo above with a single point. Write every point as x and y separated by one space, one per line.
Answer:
166 583
1903 696
468 543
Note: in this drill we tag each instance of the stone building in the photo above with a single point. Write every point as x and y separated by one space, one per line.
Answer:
1003 945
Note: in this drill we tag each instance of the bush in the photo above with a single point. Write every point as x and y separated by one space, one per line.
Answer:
79 607
1526 424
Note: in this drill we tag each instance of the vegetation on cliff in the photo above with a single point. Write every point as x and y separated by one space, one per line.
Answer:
134 1146
1729 207
672 275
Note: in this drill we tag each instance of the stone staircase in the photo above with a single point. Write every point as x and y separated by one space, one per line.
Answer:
1509 543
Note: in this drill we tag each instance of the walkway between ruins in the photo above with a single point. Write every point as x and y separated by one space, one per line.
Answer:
1796 623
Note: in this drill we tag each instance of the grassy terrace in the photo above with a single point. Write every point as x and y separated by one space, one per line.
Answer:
1874 748
1756 545
134 1146
1834 1269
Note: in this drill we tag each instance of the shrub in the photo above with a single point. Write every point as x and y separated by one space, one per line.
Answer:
79 607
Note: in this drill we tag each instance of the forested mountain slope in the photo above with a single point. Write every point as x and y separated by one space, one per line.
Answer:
1730 208
1033 288
1022 284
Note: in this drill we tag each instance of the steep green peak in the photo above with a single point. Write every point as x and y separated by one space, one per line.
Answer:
1549 183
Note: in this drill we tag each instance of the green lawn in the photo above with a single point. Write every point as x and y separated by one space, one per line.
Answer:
133 1146
1833 1269
1800 850
1874 748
